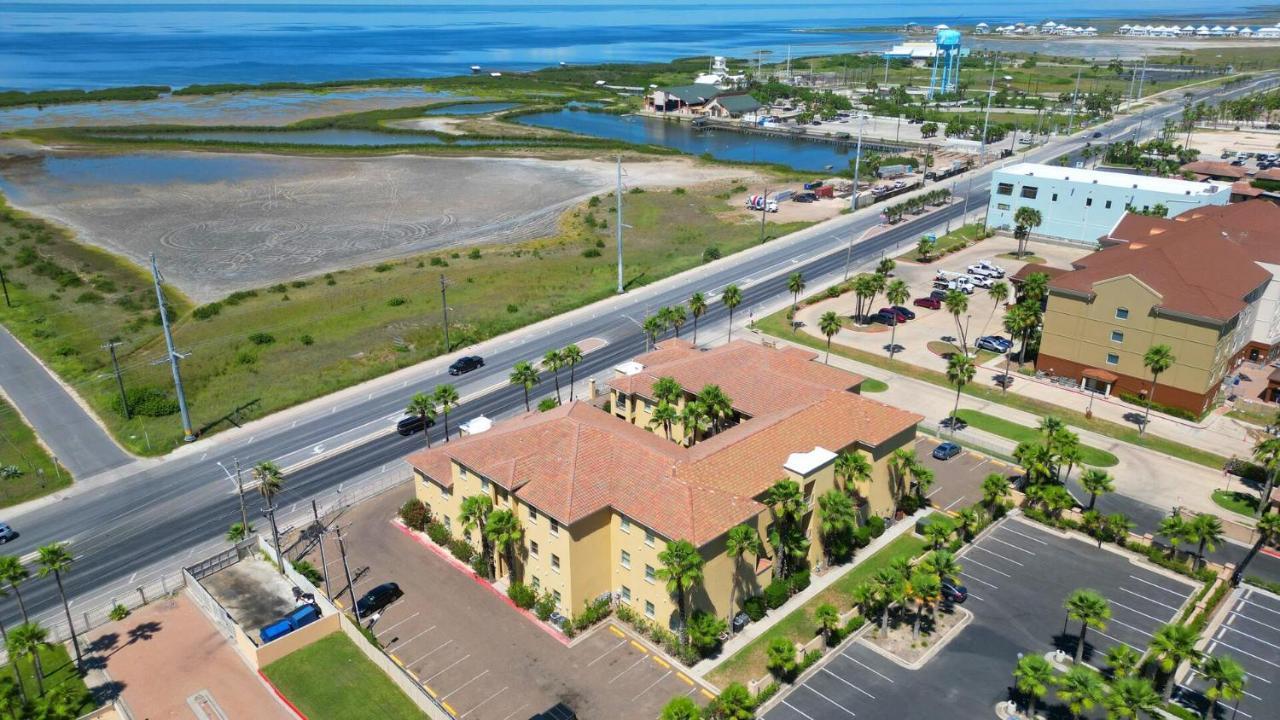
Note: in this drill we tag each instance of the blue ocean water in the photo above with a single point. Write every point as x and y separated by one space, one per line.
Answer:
66 45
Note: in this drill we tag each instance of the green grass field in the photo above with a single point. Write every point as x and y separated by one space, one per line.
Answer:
872 385
1089 455
958 238
25 466
59 671
331 679
1242 503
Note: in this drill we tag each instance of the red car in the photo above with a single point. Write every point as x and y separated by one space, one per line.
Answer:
902 317
928 302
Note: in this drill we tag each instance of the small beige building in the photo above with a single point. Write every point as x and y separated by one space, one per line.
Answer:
599 492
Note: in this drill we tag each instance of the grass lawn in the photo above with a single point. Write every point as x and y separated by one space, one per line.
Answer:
1029 259
331 678
1237 502
20 453
776 325
268 349
1253 416
749 662
1089 455
944 349
58 669
872 385
960 237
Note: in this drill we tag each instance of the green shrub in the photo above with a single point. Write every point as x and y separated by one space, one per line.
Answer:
799 581
776 594
593 202
522 595
261 338
396 301
678 191
474 254
438 261
545 606
239 296
704 631
118 612
1160 407
388 267
89 297
146 401
308 571
782 659
244 357
591 252
592 613
204 312
306 340
862 536
754 607
710 254
876 524
461 549
414 514
546 404
438 533
513 309
479 565
298 284
1263 583
809 659
278 288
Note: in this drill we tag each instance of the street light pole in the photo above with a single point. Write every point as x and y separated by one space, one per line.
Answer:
857 164
444 307
324 570
346 569
986 120
115 366
618 219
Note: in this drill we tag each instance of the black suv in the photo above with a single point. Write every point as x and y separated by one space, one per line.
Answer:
466 364
378 599
412 424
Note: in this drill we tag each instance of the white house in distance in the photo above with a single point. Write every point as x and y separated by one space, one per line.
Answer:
1081 205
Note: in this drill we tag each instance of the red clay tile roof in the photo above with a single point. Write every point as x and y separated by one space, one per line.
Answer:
1242 187
1214 169
1253 225
1268 174
1030 269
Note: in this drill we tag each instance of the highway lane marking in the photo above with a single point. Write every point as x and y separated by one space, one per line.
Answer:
651 686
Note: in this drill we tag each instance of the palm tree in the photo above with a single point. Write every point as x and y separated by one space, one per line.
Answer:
474 515
1227 680
1036 459
786 501
926 590
1032 677
552 361
719 406
667 390
1096 482
742 540
1206 531
943 564
839 518
1122 660
652 327
829 324
663 416
29 639
864 288
1018 321
960 372
1081 688
13 573
446 396
571 355
852 467
995 488
957 303
901 462
17 676
1268 529
921 481
999 294
694 420
677 317
938 532
13 698
969 520
1157 359
828 619
55 559
697 306
884 588
504 532
1267 454
238 532
526 377
862 596
424 407
1171 646
270 484
1174 528
682 569
1091 610
876 284
731 299
795 284
897 293
1025 219
1131 696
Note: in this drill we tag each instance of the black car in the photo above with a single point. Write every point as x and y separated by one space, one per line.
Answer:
938 294
885 318
954 591
905 312
378 599
412 424
805 197
1097 134
466 364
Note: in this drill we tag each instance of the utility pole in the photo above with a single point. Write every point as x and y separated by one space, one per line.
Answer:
857 164
764 208
244 514
965 217
275 533
351 588
174 356
1075 97
115 365
618 221
315 512
1142 79
5 286
444 307
986 120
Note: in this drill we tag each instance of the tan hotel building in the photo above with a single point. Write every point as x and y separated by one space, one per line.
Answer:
599 493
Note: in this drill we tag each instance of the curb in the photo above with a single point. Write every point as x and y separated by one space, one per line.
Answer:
966 617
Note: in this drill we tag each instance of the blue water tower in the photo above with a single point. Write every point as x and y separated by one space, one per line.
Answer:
945 77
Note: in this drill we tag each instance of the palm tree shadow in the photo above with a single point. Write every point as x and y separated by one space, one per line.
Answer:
143 632
1066 642
103 643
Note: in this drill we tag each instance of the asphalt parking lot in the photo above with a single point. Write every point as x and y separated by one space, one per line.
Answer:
1250 635
958 481
1018 576
477 653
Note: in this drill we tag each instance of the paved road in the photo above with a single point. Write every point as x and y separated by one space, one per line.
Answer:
163 511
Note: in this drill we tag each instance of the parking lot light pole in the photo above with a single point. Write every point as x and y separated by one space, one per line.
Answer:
351 587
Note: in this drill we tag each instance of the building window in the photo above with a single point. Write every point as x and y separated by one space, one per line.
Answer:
1113 359
1055 197
648 537
1117 336
1002 206
536 582
626 594
649 574
533 515
533 548
649 609
446 522
624 524
1004 189
1107 206
484 484
1030 191
466 535
555 527
626 559
1122 313
555 562
555 594
1088 202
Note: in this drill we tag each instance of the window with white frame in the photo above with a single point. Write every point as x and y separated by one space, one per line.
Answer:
555 527
626 559
533 548
624 523
649 609
555 562
1122 313
650 574
1117 336
533 515
626 594
1113 359
649 537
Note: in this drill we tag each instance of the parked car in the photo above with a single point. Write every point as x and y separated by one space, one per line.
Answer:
954 592
6 533
983 271
932 303
994 343
466 364
889 319
938 295
981 281
946 451
899 316
804 197
411 424
300 617
905 312
992 268
377 599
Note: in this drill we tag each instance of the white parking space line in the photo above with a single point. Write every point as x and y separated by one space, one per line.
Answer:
1029 537
1148 599
1264 607
1139 612
1015 547
1235 614
978 579
1117 640
846 682
651 686
868 667
1244 652
793 707
992 552
833 702
1125 624
976 596
450 666
482 702
1251 637
624 672
400 646
432 652
1181 595
398 624
998 572
514 712
954 503
455 690
606 652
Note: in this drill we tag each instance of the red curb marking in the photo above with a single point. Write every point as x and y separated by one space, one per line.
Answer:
448 557
280 695
1269 551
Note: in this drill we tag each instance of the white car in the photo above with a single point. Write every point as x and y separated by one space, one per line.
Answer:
981 281
980 270
994 268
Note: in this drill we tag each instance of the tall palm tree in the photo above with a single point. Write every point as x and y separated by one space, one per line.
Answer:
12 574
474 515
665 317
786 501
1032 677
999 294
852 467
1157 359
839 518
885 266
1018 321
270 484
828 618
896 293
864 288
55 559
731 299
424 407
1131 697
957 303
995 488
1122 660
571 355
1091 610
742 540
667 390
884 587
1174 528
504 533
677 317
960 372
681 569
876 283
652 327
1025 219
829 324
1206 531
901 462
17 676
697 307
1171 646
1096 482
969 520
1267 454
1226 679
795 284
13 698
552 361
664 415
694 420
29 639
446 396
1081 688
526 377
719 406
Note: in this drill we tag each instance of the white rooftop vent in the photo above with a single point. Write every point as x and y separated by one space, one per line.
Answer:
476 425
630 367
806 462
